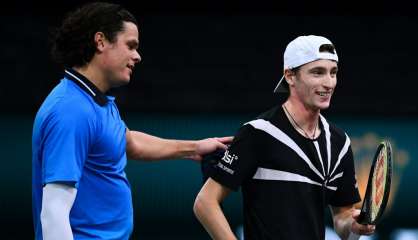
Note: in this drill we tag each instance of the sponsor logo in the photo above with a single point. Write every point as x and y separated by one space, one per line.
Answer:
225 168
229 158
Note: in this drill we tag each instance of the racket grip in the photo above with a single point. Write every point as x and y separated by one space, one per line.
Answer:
353 236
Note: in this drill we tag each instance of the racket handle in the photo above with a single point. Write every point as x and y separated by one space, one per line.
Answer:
353 236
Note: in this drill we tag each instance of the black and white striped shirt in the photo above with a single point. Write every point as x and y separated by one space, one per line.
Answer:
287 179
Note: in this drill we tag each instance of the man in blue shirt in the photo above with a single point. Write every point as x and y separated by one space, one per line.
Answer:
80 144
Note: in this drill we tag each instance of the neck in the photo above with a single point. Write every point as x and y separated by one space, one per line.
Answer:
305 118
95 76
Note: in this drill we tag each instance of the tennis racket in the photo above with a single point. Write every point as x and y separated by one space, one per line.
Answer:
378 187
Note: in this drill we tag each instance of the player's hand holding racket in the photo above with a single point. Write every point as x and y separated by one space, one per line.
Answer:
377 192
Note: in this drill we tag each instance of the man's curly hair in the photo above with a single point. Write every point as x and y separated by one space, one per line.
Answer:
73 43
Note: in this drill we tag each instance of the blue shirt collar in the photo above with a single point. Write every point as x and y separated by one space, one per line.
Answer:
85 84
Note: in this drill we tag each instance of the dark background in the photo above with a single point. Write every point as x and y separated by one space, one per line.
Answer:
216 56
210 57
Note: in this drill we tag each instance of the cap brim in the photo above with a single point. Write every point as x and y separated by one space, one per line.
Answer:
281 87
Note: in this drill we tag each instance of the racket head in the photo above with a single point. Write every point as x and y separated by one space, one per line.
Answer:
378 185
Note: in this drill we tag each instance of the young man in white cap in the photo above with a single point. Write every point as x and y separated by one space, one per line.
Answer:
290 162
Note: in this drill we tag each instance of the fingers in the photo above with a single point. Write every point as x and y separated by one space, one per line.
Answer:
225 140
223 146
363 229
196 158
358 228
356 214
209 145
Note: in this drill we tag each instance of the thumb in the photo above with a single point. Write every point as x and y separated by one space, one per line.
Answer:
356 214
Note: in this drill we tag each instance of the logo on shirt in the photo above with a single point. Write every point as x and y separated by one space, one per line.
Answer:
229 158
225 168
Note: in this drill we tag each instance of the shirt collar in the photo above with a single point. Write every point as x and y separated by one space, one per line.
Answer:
99 97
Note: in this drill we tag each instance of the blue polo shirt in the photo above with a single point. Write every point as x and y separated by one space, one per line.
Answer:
79 139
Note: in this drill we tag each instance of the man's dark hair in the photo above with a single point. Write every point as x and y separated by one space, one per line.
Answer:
327 48
73 43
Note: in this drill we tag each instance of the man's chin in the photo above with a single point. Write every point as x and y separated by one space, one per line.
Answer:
120 83
324 106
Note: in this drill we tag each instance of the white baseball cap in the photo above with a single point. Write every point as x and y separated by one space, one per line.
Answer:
302 50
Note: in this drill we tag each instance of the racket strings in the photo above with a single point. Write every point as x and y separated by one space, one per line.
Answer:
379 183
380 178
378 187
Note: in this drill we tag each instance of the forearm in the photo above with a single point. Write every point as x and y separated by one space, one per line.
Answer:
57 201
212 218
147 147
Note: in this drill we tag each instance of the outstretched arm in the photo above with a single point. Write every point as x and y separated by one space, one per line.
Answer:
345 223
208 210
147 147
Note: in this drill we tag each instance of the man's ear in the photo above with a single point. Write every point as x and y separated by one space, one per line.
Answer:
100 41
289 76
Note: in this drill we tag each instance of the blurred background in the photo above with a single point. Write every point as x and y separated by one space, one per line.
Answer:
208 67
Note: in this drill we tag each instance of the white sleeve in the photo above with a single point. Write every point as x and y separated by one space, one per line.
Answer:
57 201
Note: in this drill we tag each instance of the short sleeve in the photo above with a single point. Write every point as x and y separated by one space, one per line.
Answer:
239 162
347 191
66 139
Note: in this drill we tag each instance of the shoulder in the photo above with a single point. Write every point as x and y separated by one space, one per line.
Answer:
65 105
74 109
269 114
259 127
337 133
271 121
262 121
